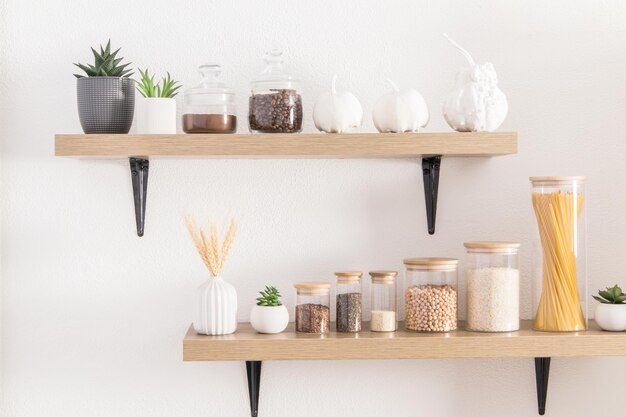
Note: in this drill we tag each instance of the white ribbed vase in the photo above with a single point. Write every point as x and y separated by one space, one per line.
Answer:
216 308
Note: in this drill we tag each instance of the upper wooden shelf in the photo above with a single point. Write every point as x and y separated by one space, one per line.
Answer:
304 145
247 345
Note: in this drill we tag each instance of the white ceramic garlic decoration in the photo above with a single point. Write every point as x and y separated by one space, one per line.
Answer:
400 111
476 103
216 308
337 112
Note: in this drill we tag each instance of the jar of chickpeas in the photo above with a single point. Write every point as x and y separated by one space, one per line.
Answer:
430 296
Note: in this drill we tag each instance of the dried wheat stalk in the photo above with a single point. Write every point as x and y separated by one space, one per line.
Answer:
209 249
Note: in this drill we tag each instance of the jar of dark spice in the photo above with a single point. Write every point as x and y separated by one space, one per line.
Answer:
275 103
312 307
349 301
210 106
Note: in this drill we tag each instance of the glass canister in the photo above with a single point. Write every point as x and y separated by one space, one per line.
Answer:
560 283
275 105
430 295
384 301
493 280
349 301
312 307
210 106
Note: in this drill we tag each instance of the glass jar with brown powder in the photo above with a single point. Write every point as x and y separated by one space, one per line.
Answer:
210 106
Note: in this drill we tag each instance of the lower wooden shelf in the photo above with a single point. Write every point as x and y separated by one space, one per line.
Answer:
254 348
248 345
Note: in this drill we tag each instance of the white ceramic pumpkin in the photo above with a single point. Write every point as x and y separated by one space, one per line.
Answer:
337 112
475 103
400 111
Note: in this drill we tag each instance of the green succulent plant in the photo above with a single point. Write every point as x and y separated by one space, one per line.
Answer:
269 298
611 295
166 88
106 64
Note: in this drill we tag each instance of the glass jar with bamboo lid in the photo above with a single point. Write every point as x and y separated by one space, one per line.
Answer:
349 301
430 295
560 276
492 286
383 303
312 307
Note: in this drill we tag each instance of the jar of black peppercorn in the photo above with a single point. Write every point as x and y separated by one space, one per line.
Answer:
349 307
275 103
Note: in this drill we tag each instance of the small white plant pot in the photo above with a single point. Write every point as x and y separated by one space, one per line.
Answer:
155 115
611 317
266 319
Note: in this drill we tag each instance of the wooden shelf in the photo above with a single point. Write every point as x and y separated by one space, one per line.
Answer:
247 345
308 145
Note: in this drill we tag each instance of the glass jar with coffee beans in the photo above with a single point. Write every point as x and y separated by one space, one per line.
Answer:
312 307
349 301
275 105
210 106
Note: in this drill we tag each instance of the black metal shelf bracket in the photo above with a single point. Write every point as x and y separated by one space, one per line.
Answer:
542 373
430 169
139 176
253 370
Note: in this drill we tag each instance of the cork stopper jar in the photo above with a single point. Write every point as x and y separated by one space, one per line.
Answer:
275 105
210 106
312 307
430 295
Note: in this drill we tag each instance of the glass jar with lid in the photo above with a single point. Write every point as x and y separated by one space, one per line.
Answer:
275 105
312 307
560 273
349 301
383 303
430 295
493 280
210 106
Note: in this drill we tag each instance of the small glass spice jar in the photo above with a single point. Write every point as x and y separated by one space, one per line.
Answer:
210 106
275 105
312 307
430 295
349 301
492 286
383 301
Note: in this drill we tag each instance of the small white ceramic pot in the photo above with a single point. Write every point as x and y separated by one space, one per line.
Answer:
269 319
611 317
155 115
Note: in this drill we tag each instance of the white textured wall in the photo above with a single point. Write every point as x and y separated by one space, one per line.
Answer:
93 316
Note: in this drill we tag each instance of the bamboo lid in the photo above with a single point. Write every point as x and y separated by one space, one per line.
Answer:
348 275
311 285
558 179
383 277
492 245
431 263
383 273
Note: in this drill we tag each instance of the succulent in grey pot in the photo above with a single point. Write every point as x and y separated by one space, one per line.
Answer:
106 95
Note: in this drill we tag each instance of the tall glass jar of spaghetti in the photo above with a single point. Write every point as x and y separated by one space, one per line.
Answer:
560 273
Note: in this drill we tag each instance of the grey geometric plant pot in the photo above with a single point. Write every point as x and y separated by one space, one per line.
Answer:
106 104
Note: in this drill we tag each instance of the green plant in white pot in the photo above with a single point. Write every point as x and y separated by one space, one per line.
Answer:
106 94
610 313
156 111
269 315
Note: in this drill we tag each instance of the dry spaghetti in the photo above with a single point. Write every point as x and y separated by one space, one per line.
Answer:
559 306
